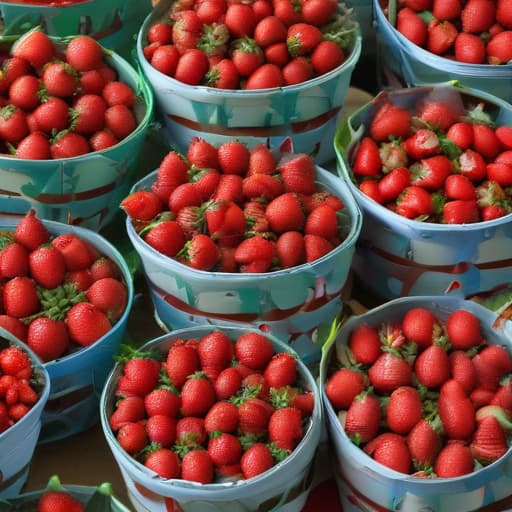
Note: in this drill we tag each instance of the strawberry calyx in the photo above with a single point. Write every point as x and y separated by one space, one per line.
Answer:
343 29
478 115
6 238
214 39
248 439
279 454
449 148
187 443
10 148
391 335
280 397
245 394
502 415
164 382
246 45
127 352
490 193
161 217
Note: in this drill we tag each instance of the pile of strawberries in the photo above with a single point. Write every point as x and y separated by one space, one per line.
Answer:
58 293
61 102
437 162
468 31
231 209
18 385
213 409
423 396
256 45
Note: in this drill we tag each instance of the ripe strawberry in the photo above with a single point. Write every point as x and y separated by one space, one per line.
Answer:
437 114
472 165
498 357
254 254
411 26
363 418
463 370
478 15
262 186
499 48
316 247
77 252
164 462
391 450
485 141
441 36
15 362
224 448
197 395
35 146
389 372
227 383
185 194
161 429
254 415
421 326
489 441
118 93
89 110
256 460
13 124
84 53
364 344
14 261
110 296
60 79
47 266
229 188
390 120
269 31
284 213
281 370
101 140
192 67
142 205
446 9
166 237
52 114
215 351
424 442
286 11
503 396
160 32
48 338
422 144
163 58
233 157
69 145
302 38
240 20
223 75
404 409
322 221
197 466
129 409
190 431
343 386
132 437
297 173
285 428
253 350
246 55
469 48
23 92
327 55
414 202
86 323
225 222
91 82
461 133
222 417
19 297
456 411
14 326
463 329
432 366
120 120
35 47
30 231
458 186
261 160
205 181
200 252
290 249
266 76
454 459
162 401
59 501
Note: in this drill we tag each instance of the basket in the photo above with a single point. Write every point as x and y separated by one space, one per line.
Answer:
83 190
396 256
308 112
19 441
404 63
77 379
286 485
364 483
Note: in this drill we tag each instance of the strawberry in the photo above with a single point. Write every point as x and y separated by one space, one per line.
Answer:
404 409
35 47
52 114
86 323
14 261
142 205
290 249
77 252
215 351
454 459
392 184
162 401
262 186
503 396
229 188
60 79
240 20
202 154
13 124
422 144
15 326
367 160
89 110
478 15
317 12
266 76
110 296
391 450
223 75
458 186
222 417
461 133
343 386
326 55
281 370
500 173
277 54
246 55
463 329
164 58
91 82
227 383
503 13
261 160
47 266
19 297
120 120
497 356
485 141
460 212
116 92
182 361
269 31
390 120
190 431
302 38
469 48
256 460
432 366
166 237
441 36
388 372
224 448
489 441
363 418
316 247
197 395
297 173
421 326
322 221
456 411
225 222
287 12
132 437
161 429
48 338
233 157
160 32
185 194
254 350
446 9
23 92
129 409
59 501
285 428
69 145
84 53
364 344
15 362
498 48
424 442
254 416
431 172
11 69
104 266
472 165
200 252
437 114
35 146
392 155
284 213
164 462
463 370
414 201
411 26
197 466
101 140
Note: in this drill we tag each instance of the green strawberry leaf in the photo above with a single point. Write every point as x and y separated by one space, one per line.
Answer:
449 148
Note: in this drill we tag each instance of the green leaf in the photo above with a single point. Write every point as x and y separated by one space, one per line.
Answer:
101 500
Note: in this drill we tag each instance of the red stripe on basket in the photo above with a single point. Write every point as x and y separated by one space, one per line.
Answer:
254 131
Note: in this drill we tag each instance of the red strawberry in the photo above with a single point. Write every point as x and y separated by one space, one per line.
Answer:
422 144
53 114
424 443
469 48
327 55
411 26
302 38
485 141
446 9
35 47
281 370
462 369
489 441
102 140
84 53
263 186
431 172
182 361
254 211
343 386
225 222
59 501
461 133
240 20
297 173
284 213
190 431
215 351
48 338
171 173
13 124
161 430
363 418
286 11
142 205
120 120
390 120
202 154
229 188
255 254
437 114
164 462
389 372
89 110
14 326
322 221
69 145
421 326
166 237
233 157
47 266
500 173
14 261
222 417
285 428
432 366
140 376
197 466
77 252
224 448
35 146
163 58
256 460
365 344
458 186
15 362
414 202
118 93
266 76
160 32
60 79
404 409
316 247
391 450
162 401
132 437
499 48
246 55
290 249
318 12
478 15
197 395
367 160
23 92
104 266
454 459
86 323
186 30
463 329
129 410
227 383
185 194
19 297
269 30
472 165
441 36
254 350
110 296
456 411
503 396
261 160
254 415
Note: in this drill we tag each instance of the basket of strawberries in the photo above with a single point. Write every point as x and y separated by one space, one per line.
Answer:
67 294
258 73
431 41
430 167
189 428
417 395
24 391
